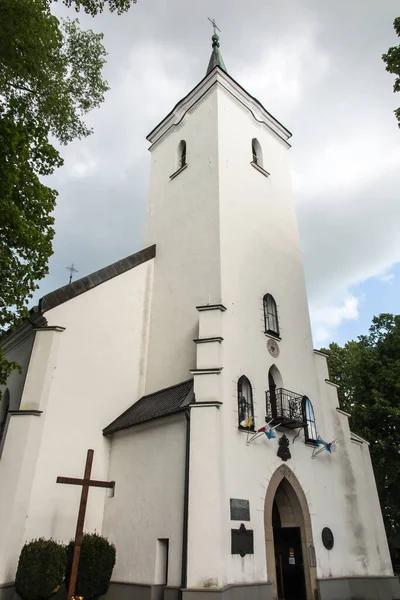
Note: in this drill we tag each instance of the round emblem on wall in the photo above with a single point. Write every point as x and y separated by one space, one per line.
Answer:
273 348
327 538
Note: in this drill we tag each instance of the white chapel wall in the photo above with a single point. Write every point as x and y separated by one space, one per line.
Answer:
100 372
148 464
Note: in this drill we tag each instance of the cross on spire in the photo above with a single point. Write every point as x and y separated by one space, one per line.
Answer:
71 270
213 23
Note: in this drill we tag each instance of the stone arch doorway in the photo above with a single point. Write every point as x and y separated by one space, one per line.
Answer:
288 538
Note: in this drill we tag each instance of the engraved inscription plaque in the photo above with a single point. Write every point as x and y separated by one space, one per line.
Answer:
240 510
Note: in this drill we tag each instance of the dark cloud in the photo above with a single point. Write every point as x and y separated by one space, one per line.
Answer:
316 66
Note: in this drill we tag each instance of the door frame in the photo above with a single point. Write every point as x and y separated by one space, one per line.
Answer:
303 520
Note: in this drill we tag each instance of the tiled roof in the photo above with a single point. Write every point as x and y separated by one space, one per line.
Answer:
153 406
84 284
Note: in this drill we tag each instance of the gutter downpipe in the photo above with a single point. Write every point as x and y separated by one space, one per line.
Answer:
185 508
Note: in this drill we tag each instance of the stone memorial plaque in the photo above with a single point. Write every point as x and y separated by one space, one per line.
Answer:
242 541
240 510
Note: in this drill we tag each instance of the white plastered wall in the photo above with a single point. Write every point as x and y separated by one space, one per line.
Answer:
148 464
183 219
260 253
99 372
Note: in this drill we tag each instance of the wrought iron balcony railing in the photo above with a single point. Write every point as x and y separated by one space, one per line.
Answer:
285 407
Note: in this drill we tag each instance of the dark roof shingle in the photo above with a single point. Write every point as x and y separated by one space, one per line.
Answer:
159 404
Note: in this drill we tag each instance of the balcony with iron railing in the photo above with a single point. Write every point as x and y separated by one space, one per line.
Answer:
284 408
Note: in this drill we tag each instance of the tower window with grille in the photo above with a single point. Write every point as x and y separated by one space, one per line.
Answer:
310 429
245 404
271 322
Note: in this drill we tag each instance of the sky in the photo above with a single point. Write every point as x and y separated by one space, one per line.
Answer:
316 66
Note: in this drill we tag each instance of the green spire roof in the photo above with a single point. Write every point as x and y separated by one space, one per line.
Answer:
216 59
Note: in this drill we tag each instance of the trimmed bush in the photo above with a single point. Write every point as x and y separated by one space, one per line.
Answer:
96 565
41 569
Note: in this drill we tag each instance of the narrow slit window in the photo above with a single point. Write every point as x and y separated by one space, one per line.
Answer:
182 154
256 152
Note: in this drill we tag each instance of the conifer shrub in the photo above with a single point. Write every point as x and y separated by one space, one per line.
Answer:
96 563
41 569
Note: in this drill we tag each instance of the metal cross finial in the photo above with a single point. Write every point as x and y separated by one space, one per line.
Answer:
212 21
71 270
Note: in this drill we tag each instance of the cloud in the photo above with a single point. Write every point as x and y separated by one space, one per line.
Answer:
388 278
285 70
313 67
327 319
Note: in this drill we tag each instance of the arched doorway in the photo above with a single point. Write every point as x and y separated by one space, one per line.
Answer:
288 538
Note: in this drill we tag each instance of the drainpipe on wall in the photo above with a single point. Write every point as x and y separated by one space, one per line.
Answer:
185 507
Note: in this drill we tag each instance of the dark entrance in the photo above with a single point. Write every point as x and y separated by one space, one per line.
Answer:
289 560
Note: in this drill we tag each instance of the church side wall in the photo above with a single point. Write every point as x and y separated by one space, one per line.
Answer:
99 373
148 465
182 219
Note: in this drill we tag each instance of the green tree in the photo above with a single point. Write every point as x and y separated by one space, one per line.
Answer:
392 60
368 372
50 77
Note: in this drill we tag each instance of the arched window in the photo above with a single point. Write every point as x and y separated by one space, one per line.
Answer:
245 404
310 429
4 408
270 315
256 152
181 154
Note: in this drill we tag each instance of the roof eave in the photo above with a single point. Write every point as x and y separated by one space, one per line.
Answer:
218 77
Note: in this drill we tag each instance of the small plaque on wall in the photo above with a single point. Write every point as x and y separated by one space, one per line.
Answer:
327 538
240 510
242 541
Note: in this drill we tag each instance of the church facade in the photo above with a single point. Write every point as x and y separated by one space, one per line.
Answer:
189 368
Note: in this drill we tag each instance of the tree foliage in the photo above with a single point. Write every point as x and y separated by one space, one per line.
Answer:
93 7
368 372
41 569
392 60
50 77
96 564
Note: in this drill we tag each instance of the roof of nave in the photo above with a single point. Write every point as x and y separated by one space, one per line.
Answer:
162 403
75 288
36 317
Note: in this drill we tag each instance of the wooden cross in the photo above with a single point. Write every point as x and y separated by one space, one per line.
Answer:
86 482
212 21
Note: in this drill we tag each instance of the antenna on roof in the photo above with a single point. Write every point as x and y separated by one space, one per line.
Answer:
71 270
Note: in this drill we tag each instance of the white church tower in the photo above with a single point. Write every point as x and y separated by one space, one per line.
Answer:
189 369
221 212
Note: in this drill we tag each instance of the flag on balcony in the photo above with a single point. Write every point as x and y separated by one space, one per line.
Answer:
247 423
328 446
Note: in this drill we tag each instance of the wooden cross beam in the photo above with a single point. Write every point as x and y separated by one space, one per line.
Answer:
86 482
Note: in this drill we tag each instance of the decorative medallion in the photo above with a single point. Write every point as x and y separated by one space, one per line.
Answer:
327 538
283 450
273 348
